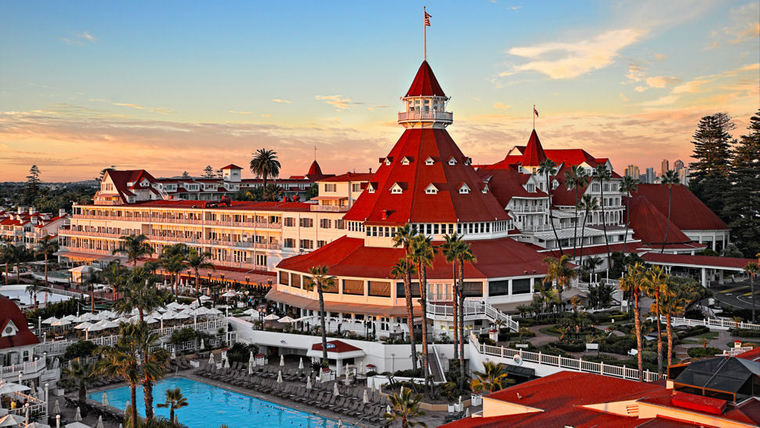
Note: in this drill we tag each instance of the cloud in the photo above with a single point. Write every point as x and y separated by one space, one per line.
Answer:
281 101
635 73
161 110
240 112
623 97
661 81
690 87
266 115
744 23
640 88
660 57
80 39
338 101
567 60
501 106
662 101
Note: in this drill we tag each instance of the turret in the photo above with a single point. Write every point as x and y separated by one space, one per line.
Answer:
425 102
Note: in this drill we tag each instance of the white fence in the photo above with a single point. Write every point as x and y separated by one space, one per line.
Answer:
715 323
473 309
573 364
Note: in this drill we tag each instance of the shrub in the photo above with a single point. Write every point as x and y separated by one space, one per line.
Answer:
450 390
184 335
241 352
79 349
703 352
570 346
408 373
693 331
744 332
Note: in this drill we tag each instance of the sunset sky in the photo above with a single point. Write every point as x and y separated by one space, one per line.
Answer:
172 86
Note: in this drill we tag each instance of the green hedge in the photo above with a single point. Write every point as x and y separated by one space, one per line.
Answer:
703 352
743 332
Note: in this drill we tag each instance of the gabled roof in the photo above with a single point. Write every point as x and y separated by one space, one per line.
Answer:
506 184
9 312
534 153
121 178
414 205
687 211
649 224
425 83
231 166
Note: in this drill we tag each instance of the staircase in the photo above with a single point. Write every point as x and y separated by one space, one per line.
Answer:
434 366
473 310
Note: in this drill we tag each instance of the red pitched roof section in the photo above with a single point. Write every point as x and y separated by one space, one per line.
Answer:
425 83
534 153
709 261
649 224
231 166
687 211
337 346
10 312
349 176
121 178
413 204
315 172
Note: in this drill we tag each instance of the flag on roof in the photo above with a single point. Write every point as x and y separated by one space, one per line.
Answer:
535 111
427 19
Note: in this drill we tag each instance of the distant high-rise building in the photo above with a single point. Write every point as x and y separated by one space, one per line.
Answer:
632 171
678 165
683 175
664 167
649 177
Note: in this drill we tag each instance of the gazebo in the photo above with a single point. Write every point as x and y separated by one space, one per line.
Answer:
336 350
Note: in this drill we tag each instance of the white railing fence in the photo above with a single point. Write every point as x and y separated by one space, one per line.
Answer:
719 323
473 309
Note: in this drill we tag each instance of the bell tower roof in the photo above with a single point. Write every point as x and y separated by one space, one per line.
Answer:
425 84
534 152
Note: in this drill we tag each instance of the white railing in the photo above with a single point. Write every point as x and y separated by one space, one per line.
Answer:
472 310
719 323
27 367
438 361
329 208
573 364
426 115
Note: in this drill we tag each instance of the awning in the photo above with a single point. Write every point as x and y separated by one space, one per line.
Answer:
336 350
355 308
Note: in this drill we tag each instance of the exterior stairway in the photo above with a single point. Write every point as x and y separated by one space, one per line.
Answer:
473 310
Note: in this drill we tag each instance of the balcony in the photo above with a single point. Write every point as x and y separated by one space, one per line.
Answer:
426 116
329 208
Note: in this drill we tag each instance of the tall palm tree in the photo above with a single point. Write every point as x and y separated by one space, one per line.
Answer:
5 257
465 256
121 360
154 361
547 168
423 253
14 254
670 178
559 272
46 246
628 186
138 293
82 373
752 269
493 378
323 282
115 274
576 178
174 401
172 260
655 285
451 248
672 304
631 283
32 289
404 268
90 279
601 174
134 247
405 408
264 164
587 204
197 260
403 238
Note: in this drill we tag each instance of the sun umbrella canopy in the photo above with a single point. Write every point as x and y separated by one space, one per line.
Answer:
214 311
87 316
69 318
286 320
60 323
49 320
36 425
77 424
11 420
83 326
9 387
230 293
271 317
335 389
182 316
168 316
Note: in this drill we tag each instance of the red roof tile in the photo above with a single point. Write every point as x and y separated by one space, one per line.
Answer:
338 346
649 224
425 83
10 312
714 261
349 176
231 166
315 172
687 211
534 153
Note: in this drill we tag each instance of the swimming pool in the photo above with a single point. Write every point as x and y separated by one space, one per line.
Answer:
211 406
18 292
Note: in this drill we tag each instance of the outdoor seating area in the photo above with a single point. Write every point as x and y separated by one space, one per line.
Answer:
293 384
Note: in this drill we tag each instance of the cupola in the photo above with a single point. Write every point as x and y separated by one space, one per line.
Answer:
425 102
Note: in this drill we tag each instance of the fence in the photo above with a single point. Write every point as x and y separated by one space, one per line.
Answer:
574 364
473 310
719 323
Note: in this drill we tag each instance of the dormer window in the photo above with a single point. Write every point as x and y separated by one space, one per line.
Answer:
429 161
406 160
371 188
485 189
464 189
431 189
10 329
396 189
531 188
388 160
452 161
468 161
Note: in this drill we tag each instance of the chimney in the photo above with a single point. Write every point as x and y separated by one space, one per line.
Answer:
385 214
370 170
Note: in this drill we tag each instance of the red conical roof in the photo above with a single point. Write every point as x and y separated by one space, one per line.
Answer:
425 83
409 171
534 153
315 172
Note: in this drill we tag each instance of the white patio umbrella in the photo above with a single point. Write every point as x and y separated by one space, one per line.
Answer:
60 323
251 359
250 311
104 399
83 326
361 367
226 363
11 420
69 318
203 345
10 387
271 317
168 315
467 413
204 298
372 383
335 389
282 360
78 415
250 368
286 320
214 311
182 316
365 399
388 408
210 356
300 363
308 383
230 293
150 320
49 320
36 425
173 305
279 376
77 424
57 407
100 422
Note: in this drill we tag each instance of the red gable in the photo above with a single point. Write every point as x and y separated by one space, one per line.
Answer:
10 312
231 166
335 346
649 224
534 153
425 83
687 211
505 184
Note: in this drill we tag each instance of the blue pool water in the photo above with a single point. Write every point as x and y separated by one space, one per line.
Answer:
211 407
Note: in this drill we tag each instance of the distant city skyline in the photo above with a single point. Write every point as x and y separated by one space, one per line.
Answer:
173 87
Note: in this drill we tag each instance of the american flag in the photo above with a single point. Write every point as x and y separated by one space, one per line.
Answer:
535 111
427 19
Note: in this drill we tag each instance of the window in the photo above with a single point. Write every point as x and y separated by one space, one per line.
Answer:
306 222
321 243
380 288
406 160
465 189
295 280
289 243
429 161
284 278
340 224
431 189
261 259
356 187
330 187
325 223
353 286
289 221
452 161
396 189
306 244
521 286
371 188
498 288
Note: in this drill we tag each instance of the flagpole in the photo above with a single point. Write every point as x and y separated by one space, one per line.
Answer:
424 32
533 113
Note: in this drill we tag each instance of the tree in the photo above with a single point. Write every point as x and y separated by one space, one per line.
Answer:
153 364
493 378
32 289
560 273
134 247
121 360
174 401
322 282
547 168
6 257
405 407
92 278
670 178
114 275
631 283
196 261
451 248
185 175
628 186
712 153
264 164
465 256
273 192
15 254
588 204
403 238
601 174
208 172
172 260
138 292
752 269
576 178
423 253
674 303
46 247
82 373
742 200
32 185
656 285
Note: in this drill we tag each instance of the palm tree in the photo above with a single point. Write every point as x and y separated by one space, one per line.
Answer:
465 256
121 360
587 204
404 269
174 401
752 269
46 247
33 289
655 285
601 174
423 253
405 407
669 179
153 365
172 260
92 278
5 257
547 168
114 274
403 238
81 372
196 261
14 254
559 272
138 293
628 186
672 304
135 247
576 178
590 265
451 247
264 164
631 283
323 282
492 378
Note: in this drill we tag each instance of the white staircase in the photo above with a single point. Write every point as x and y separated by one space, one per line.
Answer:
473 310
